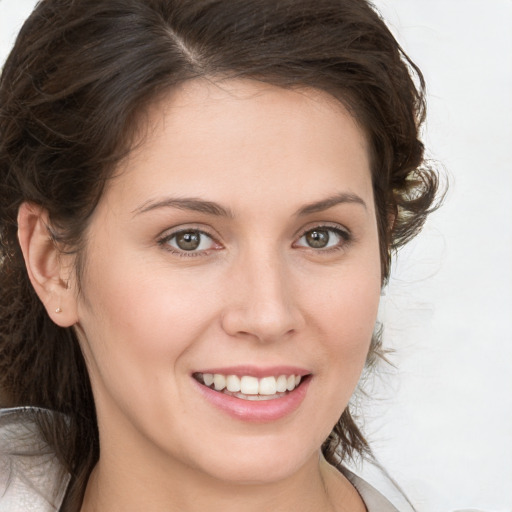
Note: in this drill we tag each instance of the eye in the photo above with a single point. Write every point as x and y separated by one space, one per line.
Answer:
323 237
189 241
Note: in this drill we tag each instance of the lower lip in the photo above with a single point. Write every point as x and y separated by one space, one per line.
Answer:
256 411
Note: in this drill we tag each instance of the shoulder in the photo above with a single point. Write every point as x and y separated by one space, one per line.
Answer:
31 479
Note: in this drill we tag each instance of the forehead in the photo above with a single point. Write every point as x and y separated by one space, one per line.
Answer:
250 139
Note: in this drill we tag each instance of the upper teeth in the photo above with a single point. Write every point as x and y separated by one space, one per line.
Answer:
249 385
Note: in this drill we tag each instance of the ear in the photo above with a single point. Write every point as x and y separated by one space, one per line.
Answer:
50 271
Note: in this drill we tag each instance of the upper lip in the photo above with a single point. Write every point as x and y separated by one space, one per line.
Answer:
256 371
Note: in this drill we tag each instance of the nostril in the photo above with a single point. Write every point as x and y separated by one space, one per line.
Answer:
263 325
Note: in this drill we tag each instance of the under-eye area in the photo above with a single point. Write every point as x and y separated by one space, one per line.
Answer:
248 387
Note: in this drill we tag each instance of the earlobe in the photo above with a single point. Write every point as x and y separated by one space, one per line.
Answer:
48 270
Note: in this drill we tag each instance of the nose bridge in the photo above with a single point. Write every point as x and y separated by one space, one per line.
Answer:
262 303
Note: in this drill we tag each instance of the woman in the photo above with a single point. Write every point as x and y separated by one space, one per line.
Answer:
199 201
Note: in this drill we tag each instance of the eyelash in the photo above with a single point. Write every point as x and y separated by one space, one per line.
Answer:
345 235
164 243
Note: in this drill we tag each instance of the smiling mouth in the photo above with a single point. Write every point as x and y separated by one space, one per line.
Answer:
247 387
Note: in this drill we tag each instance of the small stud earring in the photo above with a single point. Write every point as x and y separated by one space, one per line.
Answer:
58 310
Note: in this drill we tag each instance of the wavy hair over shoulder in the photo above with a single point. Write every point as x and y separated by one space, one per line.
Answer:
72 96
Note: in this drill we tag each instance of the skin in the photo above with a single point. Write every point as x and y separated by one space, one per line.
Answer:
149 314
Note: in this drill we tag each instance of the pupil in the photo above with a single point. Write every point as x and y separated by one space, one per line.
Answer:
188 241
317 238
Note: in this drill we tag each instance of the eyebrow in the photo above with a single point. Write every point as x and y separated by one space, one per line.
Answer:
186 203
212 208
325 204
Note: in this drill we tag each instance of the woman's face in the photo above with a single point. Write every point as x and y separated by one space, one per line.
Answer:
238 243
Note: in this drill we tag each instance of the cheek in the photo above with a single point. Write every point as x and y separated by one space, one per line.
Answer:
344 311
138 318
347 302
144 315
137 334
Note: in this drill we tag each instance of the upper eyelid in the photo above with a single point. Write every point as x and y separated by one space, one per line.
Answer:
325 225
171 232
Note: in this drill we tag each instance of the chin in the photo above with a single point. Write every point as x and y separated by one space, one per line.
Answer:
260 461
251 473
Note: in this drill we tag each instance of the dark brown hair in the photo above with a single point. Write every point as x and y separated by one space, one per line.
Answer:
72 95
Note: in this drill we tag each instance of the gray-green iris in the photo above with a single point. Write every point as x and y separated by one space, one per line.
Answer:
318 238
188 240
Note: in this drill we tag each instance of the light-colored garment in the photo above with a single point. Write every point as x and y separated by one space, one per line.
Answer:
373 499
31 479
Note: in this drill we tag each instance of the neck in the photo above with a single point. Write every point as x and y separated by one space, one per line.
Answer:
147 477
114 487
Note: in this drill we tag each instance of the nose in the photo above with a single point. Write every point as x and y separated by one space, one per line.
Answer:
261 302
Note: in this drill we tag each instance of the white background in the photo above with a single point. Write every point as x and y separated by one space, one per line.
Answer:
441 423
